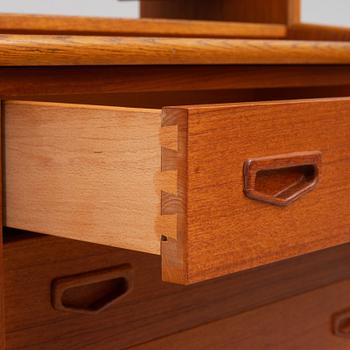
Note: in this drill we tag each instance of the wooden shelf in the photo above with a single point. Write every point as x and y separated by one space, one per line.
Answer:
74 25
36 50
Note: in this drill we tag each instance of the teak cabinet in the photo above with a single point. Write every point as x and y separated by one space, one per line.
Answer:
175 182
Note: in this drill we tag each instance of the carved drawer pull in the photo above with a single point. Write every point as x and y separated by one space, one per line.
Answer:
341 324
282 179
92 292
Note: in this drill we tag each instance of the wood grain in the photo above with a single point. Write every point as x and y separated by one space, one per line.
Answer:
224 231
32 264
71 81
304 31
302 322
76 25
84 172
31 50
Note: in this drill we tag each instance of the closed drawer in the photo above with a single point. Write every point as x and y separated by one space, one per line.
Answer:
310 321
35 318
149 309
214 189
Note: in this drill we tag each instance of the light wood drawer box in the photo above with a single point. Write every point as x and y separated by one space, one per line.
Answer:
150 309
207 187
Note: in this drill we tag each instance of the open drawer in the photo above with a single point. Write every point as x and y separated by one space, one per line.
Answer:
214 189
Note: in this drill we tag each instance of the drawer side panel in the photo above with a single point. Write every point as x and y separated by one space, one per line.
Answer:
84 172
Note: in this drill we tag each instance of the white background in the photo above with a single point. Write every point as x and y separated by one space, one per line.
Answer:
334 12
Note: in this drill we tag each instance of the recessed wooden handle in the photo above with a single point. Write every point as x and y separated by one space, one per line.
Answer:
92 292
281 179
341 324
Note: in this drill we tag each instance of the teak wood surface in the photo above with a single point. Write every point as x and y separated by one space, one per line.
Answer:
32 264
303 322
37 50
220 230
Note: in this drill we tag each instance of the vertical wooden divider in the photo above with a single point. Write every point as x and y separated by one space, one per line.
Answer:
294 12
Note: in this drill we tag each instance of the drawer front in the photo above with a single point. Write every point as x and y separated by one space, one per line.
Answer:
305 322
234 217
214 189
40 316
37 269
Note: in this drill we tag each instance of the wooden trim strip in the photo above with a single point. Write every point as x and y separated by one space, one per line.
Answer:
293 11
77 25
33 50
70 80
